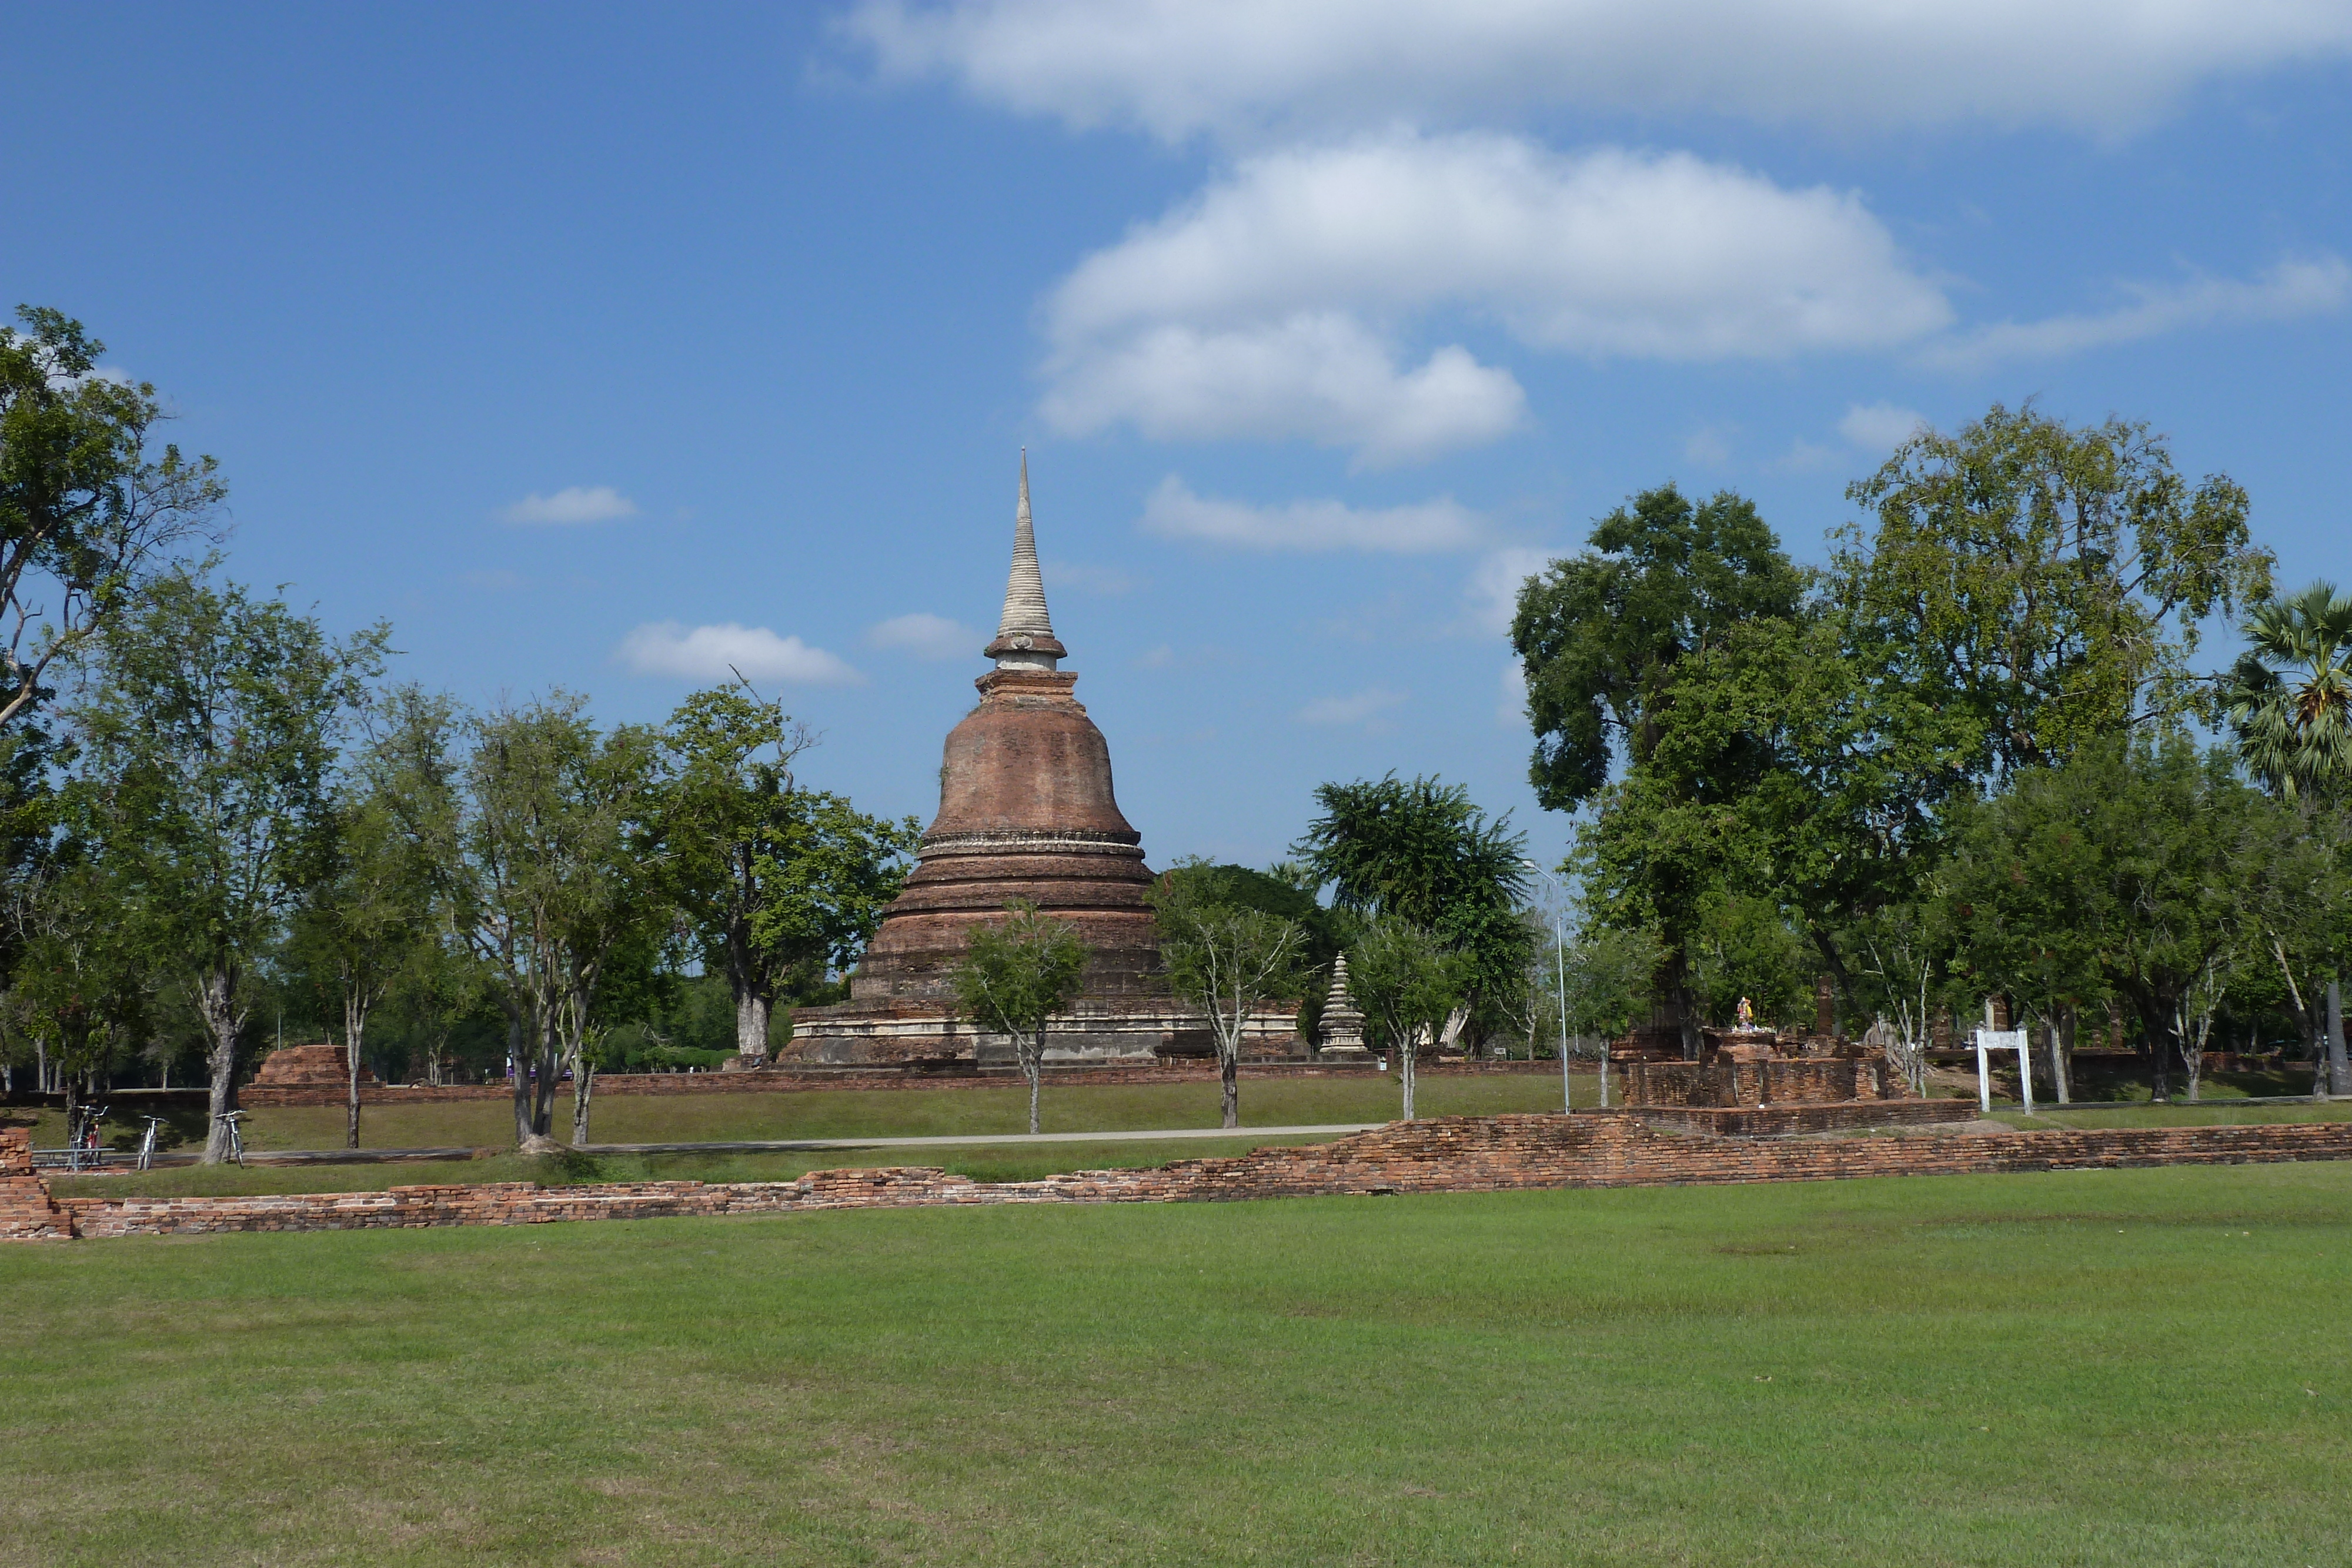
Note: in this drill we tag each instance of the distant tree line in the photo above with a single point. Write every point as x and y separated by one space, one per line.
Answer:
219 821
1973 757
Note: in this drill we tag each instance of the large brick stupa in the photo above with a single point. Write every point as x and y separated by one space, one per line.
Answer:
1026 812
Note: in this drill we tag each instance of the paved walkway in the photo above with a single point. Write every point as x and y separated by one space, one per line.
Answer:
967 1140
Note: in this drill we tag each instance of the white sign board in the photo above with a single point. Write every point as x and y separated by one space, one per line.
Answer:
1992 1040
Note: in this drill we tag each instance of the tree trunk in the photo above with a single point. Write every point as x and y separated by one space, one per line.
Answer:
2340 1073
355 1035
1031 1050
1229 1071
2161 1058
753 1012
516 1035
2058 1064
547 1070
1408 1048
216 1001
583 1084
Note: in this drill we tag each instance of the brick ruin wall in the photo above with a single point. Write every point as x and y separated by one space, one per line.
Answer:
1798 1083
1453 1153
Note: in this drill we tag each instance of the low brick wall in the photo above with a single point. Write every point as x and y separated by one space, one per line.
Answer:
1452 1154
1802 1082
1785 1120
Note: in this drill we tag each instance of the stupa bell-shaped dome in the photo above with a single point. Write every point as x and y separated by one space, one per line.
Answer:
1026 812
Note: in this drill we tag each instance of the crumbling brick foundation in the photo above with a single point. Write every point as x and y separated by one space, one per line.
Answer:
1450 1154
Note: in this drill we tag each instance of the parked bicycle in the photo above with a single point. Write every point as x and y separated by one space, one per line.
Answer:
235 1133
148 1140
82 1137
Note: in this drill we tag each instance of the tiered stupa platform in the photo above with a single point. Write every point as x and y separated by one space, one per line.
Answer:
1026 813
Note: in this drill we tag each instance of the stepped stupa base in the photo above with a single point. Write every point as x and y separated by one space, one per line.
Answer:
1111 1030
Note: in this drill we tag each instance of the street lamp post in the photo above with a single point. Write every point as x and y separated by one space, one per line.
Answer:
1560 959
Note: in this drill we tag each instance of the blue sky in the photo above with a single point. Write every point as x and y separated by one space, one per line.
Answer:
593 347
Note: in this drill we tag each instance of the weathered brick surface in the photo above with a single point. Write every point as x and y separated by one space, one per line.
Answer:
1781 1121
310 1065
1803 1081
1453 1153
28 1213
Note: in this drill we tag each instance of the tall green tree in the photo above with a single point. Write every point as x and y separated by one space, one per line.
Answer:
1227 959
1609 640
2289 695
84 988
1602 635
1782 773
1407 983
1014 976
564 826
2289 699
2299 889
372 904
1420 850
209 730
2128 866
90 511
775 879
2047 583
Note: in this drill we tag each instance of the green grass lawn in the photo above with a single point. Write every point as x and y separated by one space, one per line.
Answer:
2208 1113
2127 1367
873 1113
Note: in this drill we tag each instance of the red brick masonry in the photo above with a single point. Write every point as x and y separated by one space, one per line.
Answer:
1452 1154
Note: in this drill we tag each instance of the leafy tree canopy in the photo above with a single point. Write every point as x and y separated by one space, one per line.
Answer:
85 512
2290 694
2046 582
1601 634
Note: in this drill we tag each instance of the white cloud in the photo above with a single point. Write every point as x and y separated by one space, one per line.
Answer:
1322 376
1511 707
578 504
1804 457
714 652
926 636
1880 426
1173 511
1494 586
1707 447
2297 288
1362 707
1277 303
1245 68
1108 580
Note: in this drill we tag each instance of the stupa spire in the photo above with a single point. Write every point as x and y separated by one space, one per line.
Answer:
1025 633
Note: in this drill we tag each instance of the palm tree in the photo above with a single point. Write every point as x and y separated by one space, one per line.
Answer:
2290 695
2290 700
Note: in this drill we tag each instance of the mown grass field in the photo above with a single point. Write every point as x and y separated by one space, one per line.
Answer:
876 1112
2129 1368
